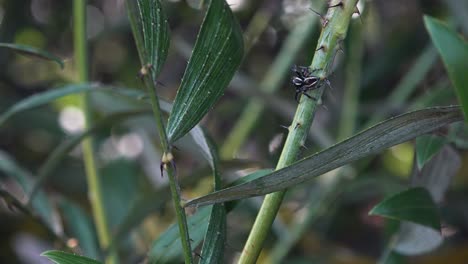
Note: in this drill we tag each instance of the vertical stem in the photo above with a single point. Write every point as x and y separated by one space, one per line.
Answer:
325 194
94 182
167 158
333 32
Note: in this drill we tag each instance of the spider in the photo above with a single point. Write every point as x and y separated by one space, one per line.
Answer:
304 81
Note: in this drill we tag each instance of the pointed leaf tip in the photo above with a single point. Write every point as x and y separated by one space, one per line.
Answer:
61 257
32 51
427 146
414 205
216 56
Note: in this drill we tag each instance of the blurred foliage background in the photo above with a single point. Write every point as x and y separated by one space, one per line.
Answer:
388 56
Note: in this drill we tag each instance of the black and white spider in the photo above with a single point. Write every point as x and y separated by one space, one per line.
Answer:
304 81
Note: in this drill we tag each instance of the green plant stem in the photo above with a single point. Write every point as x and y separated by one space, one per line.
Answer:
270 83
326 192
173 184
93 179
332 34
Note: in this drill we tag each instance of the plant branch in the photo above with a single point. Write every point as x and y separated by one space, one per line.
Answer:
168 165
334 31
93 179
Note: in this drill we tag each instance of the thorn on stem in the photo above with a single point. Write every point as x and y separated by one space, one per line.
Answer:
322 48
323 19
340 4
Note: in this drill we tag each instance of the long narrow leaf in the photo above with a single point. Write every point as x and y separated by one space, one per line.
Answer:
213 245
373 140
61 257
151 32
216 56
44 98
32 51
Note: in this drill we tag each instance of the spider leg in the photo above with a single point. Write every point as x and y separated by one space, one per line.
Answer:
327 82
297 70
306 94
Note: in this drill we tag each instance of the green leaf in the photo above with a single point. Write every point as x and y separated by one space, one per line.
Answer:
414 205
61 257
454 52
151 32
216 56
371 141
426 147
215 237
32 51
44 98
81 227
